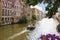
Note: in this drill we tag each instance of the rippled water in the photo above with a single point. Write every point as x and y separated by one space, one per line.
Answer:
43 27
14 32
17 34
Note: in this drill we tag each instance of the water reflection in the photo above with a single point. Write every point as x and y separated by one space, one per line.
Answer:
9 30
18 34
15 29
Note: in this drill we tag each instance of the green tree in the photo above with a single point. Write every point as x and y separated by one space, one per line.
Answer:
33 17
23 19
52 6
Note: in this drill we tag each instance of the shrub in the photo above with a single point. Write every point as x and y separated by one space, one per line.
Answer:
33 17
58 28
23 20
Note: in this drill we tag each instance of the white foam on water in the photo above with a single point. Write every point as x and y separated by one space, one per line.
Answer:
43 27
18 34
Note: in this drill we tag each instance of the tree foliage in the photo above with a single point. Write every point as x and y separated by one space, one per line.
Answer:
51 7
33 17
23 20
58 28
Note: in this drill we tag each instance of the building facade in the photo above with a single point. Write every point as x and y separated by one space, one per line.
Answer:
39 14
17 10
7 12
10 11
29 13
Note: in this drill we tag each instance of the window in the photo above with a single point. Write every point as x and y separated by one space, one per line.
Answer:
10 5
8 19
7 4
5 12
8 12
2 12
14 13
5 19
13 6
28 14
2 20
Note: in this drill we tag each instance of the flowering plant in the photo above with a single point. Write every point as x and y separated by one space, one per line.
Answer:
49 37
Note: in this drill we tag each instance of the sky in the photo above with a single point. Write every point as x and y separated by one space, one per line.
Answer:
59 9
41 7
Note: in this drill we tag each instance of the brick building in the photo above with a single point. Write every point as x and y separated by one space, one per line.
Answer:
10 11
39 14
7 12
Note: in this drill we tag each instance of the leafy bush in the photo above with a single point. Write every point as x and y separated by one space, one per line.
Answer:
33 17
58 28
23 20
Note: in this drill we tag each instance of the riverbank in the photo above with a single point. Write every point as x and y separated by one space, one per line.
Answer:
30 22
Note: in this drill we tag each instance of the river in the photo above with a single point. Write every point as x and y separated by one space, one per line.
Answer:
18 31
13 31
